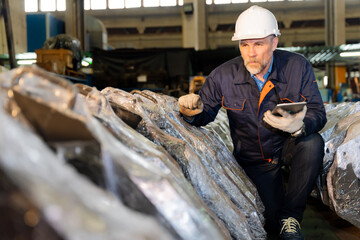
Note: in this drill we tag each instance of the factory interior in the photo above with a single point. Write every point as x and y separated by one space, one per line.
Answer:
92 143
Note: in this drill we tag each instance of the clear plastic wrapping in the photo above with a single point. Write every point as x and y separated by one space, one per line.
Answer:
343 179
233 204
97 165
338 183
75 207
220 127
136 173
172 197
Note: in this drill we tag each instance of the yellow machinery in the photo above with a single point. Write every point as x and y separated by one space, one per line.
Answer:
196 83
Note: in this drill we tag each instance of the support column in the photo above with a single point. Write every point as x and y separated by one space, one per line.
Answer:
194 25
75 20
335 22
335 35
5 13
288 41
13 21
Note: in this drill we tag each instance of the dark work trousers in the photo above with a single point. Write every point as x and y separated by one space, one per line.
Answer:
304 157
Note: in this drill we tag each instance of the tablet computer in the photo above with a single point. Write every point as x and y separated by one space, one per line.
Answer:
292 108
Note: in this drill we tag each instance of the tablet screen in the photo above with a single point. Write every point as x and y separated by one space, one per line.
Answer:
290 107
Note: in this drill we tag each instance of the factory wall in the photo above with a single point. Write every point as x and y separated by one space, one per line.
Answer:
301 24
41 27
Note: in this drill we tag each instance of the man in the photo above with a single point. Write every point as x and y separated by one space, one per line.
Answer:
249 87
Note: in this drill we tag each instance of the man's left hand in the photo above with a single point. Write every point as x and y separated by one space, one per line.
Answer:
286 122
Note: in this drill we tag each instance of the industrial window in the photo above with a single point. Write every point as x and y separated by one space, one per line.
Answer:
157 3
94 4
48 5
86 4
132 3
60 5
31 5
97 4
222 1
116 4
166 3
45 5
209 2
239 1
151 3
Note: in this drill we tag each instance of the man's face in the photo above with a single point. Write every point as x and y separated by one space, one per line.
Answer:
257 53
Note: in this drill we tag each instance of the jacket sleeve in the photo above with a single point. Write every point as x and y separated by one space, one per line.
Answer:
210 94
315 118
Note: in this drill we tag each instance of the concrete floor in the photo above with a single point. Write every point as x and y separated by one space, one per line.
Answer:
321 223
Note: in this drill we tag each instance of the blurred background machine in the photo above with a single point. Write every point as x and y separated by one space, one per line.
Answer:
196 83
61 54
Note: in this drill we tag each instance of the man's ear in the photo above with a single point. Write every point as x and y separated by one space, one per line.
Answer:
275 42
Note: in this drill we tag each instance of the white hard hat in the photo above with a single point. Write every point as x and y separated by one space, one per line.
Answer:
255 22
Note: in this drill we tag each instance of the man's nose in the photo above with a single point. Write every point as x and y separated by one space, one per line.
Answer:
252 51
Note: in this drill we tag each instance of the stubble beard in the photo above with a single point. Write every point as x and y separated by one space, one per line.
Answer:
255 69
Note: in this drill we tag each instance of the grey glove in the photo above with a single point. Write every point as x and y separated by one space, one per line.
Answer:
287 122
190 104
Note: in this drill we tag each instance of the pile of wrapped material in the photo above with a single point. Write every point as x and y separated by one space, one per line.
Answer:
339 181
115 165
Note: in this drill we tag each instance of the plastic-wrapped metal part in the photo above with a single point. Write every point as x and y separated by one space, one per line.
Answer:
158 126
208 145
73 206
193 171
335 114
219 162
20 218
220 127
343 179
340 117
184 205
108 154
135 181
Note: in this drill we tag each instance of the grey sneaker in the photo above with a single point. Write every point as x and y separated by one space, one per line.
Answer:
290 229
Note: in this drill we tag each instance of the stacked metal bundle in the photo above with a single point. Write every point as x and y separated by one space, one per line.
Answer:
220 127
205 161
339 182
71 204
74 152
339 119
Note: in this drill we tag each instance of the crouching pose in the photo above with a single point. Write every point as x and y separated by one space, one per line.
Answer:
249 87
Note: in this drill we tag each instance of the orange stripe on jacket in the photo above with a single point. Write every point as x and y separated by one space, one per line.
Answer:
303 97
266 89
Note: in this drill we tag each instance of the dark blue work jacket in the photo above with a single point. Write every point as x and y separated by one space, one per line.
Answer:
230 86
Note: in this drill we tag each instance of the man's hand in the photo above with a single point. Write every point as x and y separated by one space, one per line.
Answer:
190 104
286 122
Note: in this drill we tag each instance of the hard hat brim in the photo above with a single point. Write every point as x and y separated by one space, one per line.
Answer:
252 36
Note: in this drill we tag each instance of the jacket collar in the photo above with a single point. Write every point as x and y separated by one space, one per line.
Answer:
243 76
